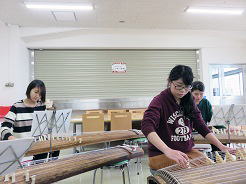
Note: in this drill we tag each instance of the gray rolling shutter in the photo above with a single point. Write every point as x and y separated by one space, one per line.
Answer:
86 74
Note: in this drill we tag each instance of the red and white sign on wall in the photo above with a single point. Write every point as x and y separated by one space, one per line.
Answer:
119 67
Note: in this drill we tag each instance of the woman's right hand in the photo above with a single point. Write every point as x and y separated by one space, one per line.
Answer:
179 157
11 137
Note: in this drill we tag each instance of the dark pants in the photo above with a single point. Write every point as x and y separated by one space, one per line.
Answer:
44 155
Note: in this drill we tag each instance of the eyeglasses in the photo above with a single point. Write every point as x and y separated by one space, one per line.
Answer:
186 88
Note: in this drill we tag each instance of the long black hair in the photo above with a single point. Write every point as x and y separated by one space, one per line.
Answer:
198 85
39 84
185 73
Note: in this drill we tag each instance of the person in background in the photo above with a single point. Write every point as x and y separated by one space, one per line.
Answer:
204 105
19 118
169 120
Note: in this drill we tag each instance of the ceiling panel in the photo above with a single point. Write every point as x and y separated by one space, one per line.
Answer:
137 14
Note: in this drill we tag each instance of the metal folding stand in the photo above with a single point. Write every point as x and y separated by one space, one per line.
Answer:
50 122
11 153
228 116
230 112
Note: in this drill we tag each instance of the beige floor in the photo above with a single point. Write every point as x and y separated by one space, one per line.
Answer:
112 175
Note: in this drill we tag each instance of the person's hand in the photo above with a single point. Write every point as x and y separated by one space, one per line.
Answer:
179 157
11 137
223 148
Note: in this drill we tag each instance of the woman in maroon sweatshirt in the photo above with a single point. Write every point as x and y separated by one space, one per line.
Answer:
169 120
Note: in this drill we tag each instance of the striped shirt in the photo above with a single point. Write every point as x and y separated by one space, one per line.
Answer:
19 118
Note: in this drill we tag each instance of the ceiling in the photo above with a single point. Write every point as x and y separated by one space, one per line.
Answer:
135 14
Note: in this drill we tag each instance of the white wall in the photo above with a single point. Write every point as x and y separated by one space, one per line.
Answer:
216 47
14 65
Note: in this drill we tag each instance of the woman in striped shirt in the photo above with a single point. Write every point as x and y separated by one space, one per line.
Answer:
20 116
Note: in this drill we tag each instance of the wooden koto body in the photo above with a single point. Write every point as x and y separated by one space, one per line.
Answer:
203 170
60 169
228 172
198 139
86 139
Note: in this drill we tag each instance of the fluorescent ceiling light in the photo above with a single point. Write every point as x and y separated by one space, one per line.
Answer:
59 6
215 10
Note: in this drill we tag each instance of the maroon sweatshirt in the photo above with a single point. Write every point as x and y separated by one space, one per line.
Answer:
165 117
